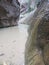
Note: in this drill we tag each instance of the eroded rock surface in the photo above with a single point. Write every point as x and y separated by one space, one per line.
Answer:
9 12
37 46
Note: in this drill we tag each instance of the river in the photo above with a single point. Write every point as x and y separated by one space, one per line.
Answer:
12 44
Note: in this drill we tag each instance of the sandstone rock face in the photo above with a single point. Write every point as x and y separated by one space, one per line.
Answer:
9 12
37 45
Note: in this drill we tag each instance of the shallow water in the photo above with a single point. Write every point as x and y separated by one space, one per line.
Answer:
12 44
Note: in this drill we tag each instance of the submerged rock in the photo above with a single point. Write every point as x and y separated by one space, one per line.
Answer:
37 45
9 12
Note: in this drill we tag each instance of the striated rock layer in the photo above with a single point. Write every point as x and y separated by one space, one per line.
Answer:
37 45
9 12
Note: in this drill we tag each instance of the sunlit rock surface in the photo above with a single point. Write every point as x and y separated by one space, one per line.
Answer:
37 45
9 12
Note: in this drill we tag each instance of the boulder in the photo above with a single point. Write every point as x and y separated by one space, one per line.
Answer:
37 45
9 12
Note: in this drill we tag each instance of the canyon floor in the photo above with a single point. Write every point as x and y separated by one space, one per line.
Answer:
12 44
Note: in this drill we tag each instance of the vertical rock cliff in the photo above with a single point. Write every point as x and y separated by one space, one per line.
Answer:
37 45
9 12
